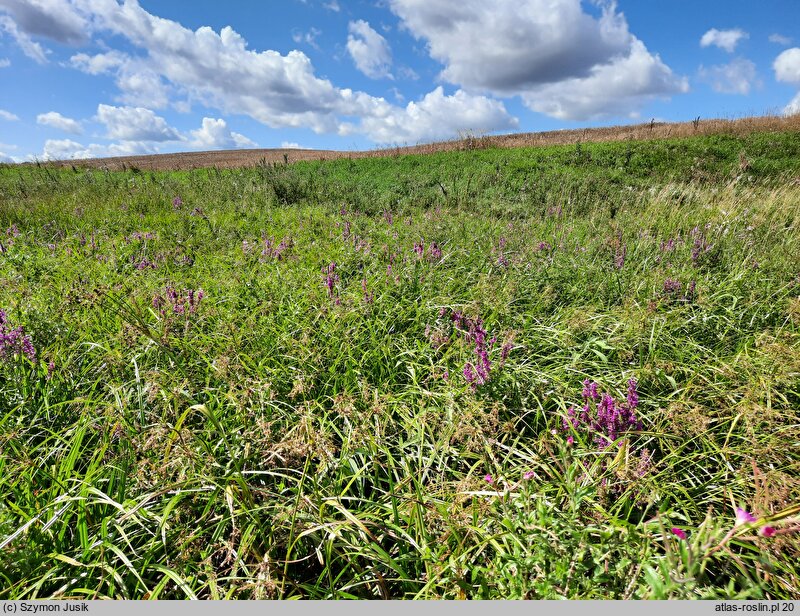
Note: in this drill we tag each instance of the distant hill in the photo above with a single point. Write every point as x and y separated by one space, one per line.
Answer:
636 132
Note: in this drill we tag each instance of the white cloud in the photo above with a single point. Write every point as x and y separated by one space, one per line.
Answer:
406 72
309 38
615 89
169 62
291 145
58 20
135 124
735 77
5 62
7 115
787 66
552 53
333 5
724 39
369 50
66 149
437 116
5 158
99 64
215 135
793 106
787 69
56 120
140 84
30 48
63 149
779 39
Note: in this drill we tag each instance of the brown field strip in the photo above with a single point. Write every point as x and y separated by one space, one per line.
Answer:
637 132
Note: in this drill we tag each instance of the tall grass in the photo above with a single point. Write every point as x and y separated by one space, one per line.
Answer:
307 425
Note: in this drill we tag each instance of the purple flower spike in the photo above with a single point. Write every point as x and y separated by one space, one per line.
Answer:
743 517
633 396
590 390
680 534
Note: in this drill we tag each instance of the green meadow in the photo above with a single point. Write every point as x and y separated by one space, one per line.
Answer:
563 372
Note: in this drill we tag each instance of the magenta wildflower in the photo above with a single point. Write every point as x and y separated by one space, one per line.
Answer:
672 287
435 252
528 475
609 420
369 298
590 390
619 256
505 350
13 341
51 368
700 247
271 251
173 302
680 534
469 374
177 202
743 517
488 478
766 531
329 280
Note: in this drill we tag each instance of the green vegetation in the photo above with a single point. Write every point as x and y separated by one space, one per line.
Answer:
366 378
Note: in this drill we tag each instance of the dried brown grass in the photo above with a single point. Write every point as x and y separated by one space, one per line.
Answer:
633 132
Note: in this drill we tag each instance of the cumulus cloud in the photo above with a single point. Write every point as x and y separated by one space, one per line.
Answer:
217 69
139 84
619 88
438 116
369 50
135 124
787 69
56 120
787 66
215 135
735 77
58 20
5 158
29 47
7 115
779 39
551 52
793 106
724 39
99 64
67 149
290 145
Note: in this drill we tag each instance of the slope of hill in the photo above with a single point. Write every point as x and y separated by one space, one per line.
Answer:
637 132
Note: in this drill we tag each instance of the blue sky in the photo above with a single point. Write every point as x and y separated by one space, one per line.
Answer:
83 78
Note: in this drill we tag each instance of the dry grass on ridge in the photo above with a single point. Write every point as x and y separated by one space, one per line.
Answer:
637 132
